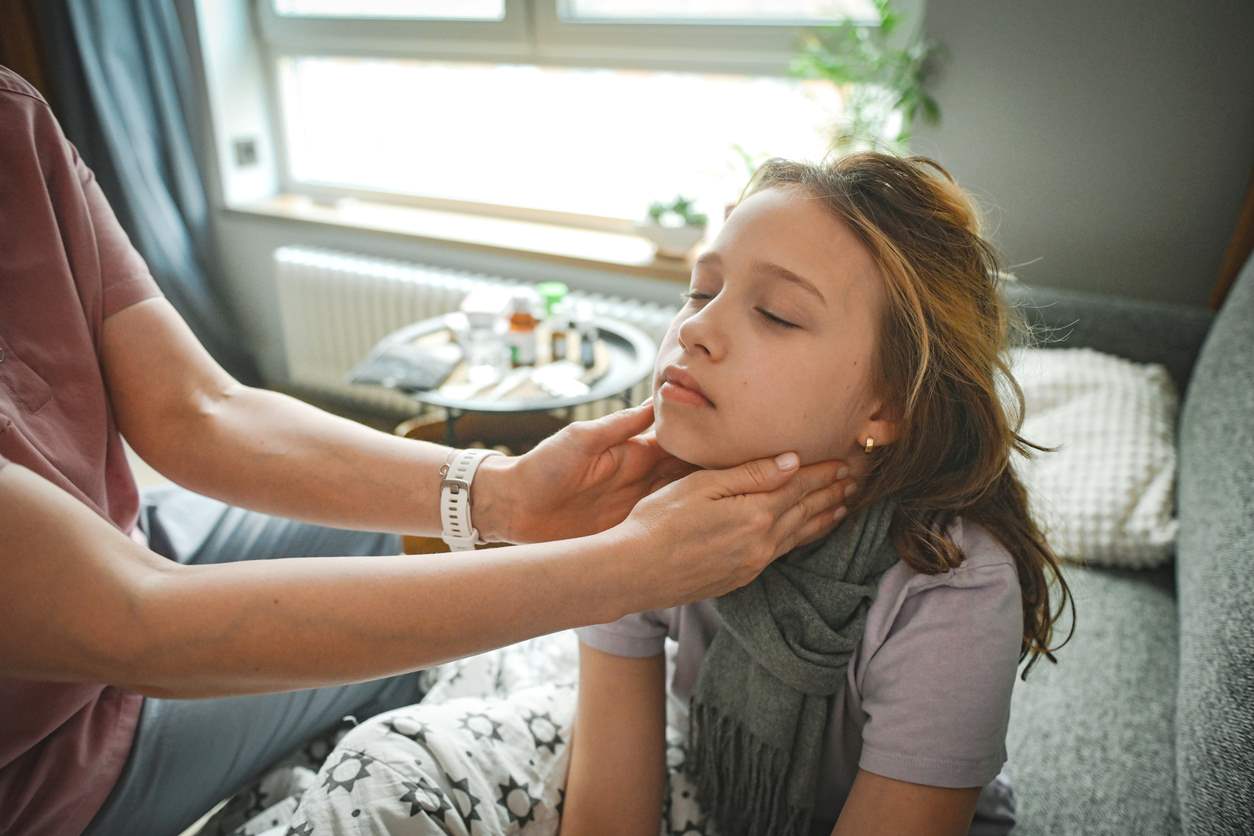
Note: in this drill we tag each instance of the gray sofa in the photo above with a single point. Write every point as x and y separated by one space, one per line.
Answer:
1146 725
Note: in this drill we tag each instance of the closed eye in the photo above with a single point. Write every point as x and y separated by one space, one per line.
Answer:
697 296
770 317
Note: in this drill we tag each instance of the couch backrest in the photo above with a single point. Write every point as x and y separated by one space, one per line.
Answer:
1215 577
1142 331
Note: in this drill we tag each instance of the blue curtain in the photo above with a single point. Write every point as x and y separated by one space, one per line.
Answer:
124 91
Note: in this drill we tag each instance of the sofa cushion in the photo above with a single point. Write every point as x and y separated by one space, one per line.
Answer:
1091 742
1215 576
1107 494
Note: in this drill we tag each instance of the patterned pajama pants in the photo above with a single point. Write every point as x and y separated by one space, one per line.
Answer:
484 754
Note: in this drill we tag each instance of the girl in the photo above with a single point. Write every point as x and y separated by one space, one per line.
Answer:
861 685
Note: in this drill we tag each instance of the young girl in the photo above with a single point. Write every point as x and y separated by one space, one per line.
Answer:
861 685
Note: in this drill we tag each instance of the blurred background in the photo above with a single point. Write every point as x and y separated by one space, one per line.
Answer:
306 176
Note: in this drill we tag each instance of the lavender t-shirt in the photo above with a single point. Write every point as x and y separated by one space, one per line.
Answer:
927 693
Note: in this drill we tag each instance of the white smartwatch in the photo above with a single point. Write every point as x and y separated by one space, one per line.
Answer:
456 475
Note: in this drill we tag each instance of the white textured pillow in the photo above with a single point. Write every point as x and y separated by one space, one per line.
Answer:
1107 496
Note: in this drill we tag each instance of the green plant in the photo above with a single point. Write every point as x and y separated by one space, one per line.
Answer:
878 77
678 212
748 159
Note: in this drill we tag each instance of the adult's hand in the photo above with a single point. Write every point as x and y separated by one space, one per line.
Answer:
582 480
716 530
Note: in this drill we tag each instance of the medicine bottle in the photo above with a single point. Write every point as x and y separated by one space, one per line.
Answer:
521 336
557 319
585 323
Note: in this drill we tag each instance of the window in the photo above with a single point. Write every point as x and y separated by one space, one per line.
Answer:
422 9
722 11
581 112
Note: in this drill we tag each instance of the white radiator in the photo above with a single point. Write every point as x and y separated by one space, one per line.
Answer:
335 306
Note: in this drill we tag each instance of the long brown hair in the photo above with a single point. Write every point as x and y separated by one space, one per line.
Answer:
942 363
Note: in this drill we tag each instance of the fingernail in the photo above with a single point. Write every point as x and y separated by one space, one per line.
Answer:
840 513
787 461
851 489
842 473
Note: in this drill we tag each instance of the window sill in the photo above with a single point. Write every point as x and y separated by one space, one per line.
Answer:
590 249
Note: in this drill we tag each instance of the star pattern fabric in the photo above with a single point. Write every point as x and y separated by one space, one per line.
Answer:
352 767
415 730
426 797
514 796
485 754
481 726
468 803
544 731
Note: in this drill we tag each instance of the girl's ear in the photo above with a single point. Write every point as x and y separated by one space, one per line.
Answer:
884 426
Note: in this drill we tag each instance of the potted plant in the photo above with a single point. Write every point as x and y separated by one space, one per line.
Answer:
883 80
674 228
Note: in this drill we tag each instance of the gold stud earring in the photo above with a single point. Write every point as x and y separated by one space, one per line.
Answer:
870 445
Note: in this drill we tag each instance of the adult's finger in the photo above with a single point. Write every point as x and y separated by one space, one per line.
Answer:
617 427
819 525
668 471
758 476
812 477
822 502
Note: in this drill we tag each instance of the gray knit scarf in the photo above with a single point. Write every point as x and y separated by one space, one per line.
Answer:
763 696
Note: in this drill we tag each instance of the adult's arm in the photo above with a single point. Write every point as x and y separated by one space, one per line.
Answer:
881 806
80 601
617 770
269 452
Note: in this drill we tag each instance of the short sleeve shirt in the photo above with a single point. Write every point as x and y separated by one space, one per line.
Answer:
65 267
927 692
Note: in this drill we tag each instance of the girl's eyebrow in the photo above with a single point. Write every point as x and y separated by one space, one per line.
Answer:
771 269
766 268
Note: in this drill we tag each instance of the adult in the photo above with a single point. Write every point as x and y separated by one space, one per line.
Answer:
114 609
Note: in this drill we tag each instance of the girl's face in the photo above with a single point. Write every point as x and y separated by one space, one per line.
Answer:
772 351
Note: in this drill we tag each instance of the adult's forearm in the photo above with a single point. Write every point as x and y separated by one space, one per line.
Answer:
263 450
269 452
261 626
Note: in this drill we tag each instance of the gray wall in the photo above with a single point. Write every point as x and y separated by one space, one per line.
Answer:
1109 142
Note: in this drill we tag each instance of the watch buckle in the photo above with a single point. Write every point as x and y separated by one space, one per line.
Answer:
455 486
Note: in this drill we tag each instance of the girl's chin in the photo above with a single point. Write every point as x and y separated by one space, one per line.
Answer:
696 449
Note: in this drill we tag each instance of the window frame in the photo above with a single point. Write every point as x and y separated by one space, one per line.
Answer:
434 39
731 47
532 32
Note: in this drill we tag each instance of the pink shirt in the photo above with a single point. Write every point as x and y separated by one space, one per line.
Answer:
65 266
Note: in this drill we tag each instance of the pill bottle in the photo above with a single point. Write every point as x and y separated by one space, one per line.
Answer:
523 322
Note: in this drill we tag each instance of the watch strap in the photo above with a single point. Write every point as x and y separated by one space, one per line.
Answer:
455 478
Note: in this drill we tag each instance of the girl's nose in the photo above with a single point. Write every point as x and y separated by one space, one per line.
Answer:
700 334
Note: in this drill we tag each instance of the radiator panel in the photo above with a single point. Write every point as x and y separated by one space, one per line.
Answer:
336 306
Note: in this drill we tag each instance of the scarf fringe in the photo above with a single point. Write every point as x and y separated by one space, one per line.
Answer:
741 781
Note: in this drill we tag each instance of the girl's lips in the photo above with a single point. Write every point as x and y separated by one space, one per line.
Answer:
672 391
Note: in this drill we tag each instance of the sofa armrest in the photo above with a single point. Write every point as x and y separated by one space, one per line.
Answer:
1145 332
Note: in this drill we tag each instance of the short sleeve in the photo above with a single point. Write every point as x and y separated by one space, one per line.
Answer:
43 166
638 635
937 690
125 278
